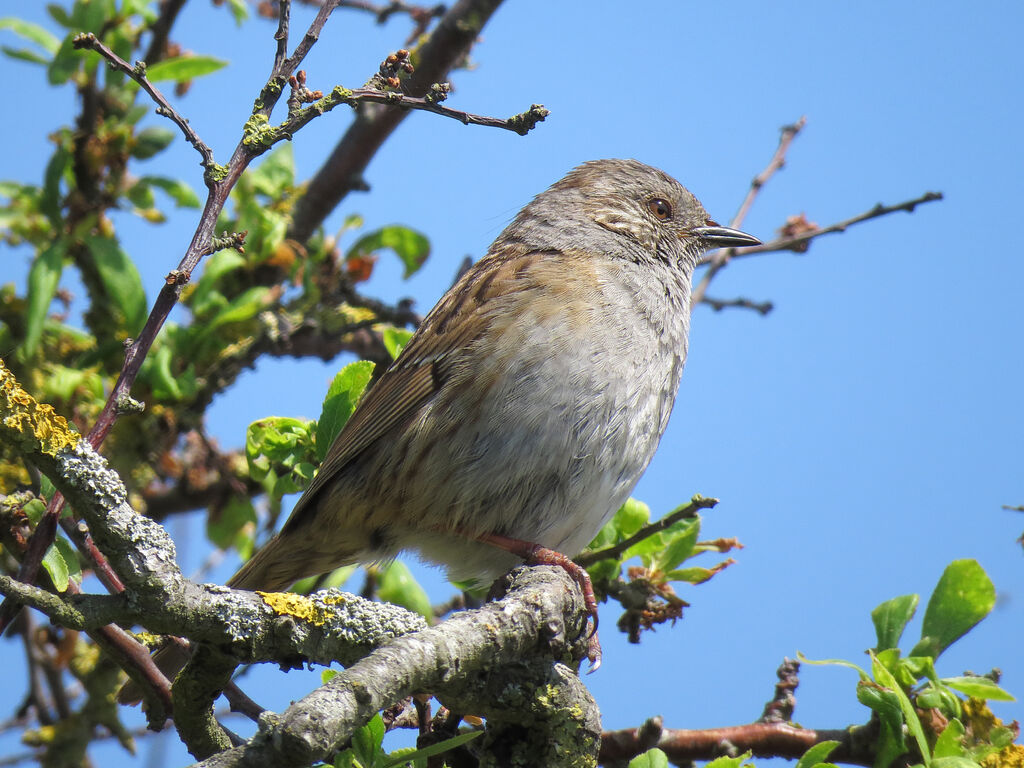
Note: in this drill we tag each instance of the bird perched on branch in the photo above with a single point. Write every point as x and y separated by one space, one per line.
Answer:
527 405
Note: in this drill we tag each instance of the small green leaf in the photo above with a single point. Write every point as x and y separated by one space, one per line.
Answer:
678 545
32 32
65 62
978 688
180 68
891 619
341 400
24 54
366 742
226 526
729 762
150 141
43 279
410 246
327 675
950 741
395 340
963 597
631 517
406 756
690 575
50 201
816 754
239 11
276 173
59 14
883 676
57 567
181 193
141 195
243 307
652 758
955 762
120 279
70 557
34 510
398 586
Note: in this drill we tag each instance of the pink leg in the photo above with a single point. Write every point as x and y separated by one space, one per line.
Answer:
535 554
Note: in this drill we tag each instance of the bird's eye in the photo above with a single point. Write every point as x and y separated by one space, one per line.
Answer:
660 208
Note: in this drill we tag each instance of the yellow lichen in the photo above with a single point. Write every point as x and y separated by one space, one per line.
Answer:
1008 757
299 606
29 425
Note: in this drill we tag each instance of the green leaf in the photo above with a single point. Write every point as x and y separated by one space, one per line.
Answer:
243 307
50 201
65 62
239 11
341 400
141 195
366 742
729 762
276 173
43 279
120 279
950 741
410 246
883 676
652 758
955 762
963 597
57 567
891 619
70 556
395 340
180 68
816 754
630 518
226 527
690 575
34 510
59 14
150 141
327 675
405 756
678 546
978 688
398 586
181 193
32 32
24 54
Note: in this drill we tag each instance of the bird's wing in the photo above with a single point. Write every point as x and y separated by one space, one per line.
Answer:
420 370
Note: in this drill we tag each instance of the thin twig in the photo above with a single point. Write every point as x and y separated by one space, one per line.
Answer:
720 258
137 73
794 243
161 30
615 551
522 123
761 307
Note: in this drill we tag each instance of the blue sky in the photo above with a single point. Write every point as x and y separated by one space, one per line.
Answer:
861 436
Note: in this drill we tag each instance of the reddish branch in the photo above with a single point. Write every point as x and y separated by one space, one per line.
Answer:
762 739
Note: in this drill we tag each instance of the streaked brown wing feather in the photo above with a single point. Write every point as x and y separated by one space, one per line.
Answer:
420 370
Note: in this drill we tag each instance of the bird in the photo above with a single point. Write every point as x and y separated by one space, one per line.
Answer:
526 406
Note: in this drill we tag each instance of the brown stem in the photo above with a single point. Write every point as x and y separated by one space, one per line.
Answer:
720 258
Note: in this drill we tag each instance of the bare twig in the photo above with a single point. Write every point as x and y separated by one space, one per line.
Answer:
161 29
763 739
761 307
688 510
794 243
780 708
720 258
448 44
137 73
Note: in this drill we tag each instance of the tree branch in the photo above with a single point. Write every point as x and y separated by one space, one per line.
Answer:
688 510
447 45
137 73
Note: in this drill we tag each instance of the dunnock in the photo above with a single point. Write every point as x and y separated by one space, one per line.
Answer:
525 408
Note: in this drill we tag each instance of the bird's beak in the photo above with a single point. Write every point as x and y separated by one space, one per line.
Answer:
724 237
